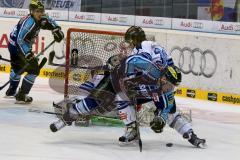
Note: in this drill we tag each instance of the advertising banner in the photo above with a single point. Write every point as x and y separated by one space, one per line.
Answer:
192 25
207 62
13 12
117 19
153 22
226 27
85 17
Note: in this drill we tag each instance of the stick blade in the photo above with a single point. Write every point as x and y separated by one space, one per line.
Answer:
51 57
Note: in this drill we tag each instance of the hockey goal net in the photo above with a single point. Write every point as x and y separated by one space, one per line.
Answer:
89 48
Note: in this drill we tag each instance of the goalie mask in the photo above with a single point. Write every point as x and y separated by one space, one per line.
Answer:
114 60
135 35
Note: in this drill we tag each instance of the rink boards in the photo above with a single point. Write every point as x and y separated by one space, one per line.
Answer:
209 62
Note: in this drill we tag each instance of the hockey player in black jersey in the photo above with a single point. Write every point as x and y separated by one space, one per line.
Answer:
20 48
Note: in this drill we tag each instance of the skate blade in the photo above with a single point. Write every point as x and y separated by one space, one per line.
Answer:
22 102
132 143
202 145
9 97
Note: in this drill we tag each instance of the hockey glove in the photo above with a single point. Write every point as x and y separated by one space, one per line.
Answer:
29 56
157 124
47 23
174 75
58 34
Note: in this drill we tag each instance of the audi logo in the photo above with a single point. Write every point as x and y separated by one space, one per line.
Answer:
22 13
159 22
90 17
55 15
195 61
198 25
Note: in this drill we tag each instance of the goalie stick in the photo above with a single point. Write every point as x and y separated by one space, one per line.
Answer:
23 69
52 55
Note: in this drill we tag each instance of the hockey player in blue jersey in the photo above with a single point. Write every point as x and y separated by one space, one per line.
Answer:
20 48
145 53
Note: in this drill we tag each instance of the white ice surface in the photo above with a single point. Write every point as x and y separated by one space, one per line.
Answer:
26 136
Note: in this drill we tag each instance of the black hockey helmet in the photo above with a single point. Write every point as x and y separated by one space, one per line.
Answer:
135 34
36 4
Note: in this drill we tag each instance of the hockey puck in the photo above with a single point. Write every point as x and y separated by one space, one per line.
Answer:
169 144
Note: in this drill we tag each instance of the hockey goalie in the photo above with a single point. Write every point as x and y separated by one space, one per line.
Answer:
148 74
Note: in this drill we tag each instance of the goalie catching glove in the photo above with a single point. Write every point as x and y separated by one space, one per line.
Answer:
58 34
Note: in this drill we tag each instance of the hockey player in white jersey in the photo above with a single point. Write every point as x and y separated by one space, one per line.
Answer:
164 101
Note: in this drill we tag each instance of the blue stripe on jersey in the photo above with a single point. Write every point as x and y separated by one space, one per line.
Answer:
170 62
14 76
137 62
121 104
90 103
30 78
163 56
26 28
146 55
87 86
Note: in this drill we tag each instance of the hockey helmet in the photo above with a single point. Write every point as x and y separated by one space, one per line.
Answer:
135 34
36 4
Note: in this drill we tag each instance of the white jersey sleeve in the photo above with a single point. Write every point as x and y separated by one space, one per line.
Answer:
154 52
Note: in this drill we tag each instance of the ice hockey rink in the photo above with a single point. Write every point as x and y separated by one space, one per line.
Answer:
25 135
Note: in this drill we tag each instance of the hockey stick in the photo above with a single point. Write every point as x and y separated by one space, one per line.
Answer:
137 126
42 63
23 69
7 60
42 111
52 55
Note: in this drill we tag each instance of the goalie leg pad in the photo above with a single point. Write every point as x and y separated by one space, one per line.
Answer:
85 106
179 123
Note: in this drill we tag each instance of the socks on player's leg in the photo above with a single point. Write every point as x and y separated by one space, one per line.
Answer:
27 84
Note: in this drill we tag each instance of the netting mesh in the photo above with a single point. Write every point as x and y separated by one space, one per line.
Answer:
88 49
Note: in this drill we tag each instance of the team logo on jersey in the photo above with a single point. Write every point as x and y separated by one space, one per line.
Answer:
122 116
